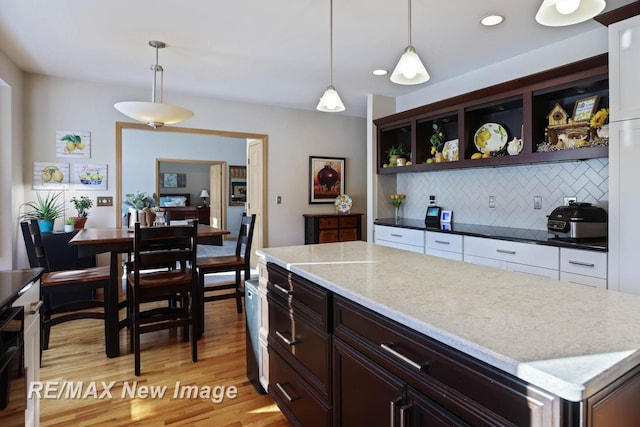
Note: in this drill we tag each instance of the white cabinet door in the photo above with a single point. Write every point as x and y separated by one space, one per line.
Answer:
624 63
583 267
30 300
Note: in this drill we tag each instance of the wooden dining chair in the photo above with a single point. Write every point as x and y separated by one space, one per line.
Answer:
153 249
238 263
68 293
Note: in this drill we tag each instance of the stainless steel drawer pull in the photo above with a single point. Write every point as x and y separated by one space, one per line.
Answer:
504 251
35 307
402 357
396 235
584 264
442 242
281 289
285 339
284 392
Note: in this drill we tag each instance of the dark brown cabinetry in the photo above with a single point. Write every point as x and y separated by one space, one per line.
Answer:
299 348
330 228
203 215
520 105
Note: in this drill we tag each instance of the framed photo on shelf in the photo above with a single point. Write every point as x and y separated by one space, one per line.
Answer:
584 108
326 178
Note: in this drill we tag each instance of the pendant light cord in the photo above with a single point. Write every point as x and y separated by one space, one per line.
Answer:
331 42
410 43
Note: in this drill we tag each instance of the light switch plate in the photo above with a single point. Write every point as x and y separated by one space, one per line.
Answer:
537 202
104 201
492 201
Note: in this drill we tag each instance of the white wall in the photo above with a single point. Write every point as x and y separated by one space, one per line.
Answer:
11 149
53 103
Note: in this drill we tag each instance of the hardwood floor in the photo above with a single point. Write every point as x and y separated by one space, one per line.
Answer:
76 353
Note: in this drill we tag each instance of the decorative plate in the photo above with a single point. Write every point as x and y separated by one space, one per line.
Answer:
450 150
343 203
490 137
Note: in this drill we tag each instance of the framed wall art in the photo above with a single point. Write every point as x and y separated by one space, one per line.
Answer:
50 176
73 143
326 178
584 108
173 180
237 185
89 177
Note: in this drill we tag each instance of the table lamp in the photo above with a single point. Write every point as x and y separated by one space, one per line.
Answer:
204 194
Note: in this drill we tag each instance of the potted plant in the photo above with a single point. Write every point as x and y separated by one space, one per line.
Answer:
82 205
140 204
68 224
397 152
45 210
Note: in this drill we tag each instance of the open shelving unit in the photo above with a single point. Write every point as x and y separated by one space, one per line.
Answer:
521 106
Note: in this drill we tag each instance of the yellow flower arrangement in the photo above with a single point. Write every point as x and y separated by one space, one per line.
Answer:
600 118
396 199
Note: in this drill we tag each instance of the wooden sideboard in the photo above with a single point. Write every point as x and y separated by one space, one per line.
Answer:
329 228
190 212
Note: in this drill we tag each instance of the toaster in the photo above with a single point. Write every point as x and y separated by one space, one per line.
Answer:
579 220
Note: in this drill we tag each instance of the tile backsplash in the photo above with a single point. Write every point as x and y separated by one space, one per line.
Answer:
466 191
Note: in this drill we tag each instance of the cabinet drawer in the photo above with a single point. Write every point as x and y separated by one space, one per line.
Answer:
456 256
443 242
297 293
298 340
328 236
533 270
324 223
297 400
349 221
348 234
504 250
442 373
586 263
594 282
400 235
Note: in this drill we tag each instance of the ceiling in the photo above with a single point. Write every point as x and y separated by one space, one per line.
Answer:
267 52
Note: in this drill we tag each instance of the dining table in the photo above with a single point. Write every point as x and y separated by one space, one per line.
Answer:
116 241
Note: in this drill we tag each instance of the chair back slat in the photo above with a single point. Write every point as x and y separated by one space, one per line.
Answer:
28 244
245 237
38 245
156 247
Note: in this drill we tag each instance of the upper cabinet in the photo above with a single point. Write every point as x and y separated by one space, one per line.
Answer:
539 118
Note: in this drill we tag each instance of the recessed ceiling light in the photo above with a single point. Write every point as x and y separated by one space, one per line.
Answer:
491 20
380 72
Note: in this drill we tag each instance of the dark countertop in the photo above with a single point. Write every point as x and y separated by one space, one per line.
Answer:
539 237
14 283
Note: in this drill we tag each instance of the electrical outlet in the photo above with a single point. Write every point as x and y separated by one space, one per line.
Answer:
432 200
492 201
537 202
104 201
568 200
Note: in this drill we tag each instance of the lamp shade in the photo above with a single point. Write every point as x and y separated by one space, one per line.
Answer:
410 70
204 193
557 13
153 113
330 101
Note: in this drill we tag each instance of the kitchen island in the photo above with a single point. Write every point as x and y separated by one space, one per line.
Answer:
575 349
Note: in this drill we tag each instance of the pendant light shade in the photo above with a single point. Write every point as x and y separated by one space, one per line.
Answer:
410 70
154 114
330 101
558 13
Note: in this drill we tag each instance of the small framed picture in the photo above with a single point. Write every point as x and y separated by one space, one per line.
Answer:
445 217
585 108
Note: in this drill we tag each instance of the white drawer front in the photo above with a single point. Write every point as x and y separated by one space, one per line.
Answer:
521 253
595 282
533 271
457 256
400 235
443 242
418 249
489 262
586 263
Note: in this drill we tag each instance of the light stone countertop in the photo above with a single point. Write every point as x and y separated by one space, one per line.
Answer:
568 339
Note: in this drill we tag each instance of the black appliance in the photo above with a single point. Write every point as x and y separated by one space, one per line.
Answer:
578 220
432 218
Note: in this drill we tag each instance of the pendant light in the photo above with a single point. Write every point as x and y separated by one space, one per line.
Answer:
558 13
330 101
409 70
154 113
